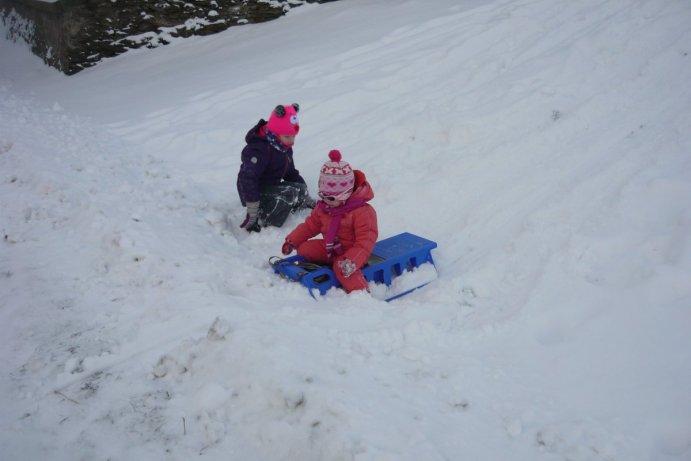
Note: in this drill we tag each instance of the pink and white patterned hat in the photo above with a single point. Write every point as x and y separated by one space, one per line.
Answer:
336 178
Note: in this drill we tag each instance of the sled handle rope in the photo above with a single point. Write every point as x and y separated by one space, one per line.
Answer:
273 260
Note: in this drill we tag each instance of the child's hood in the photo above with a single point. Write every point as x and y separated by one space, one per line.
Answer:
256 133
363 189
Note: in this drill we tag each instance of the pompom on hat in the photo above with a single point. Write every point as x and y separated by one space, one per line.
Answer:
284 120
336 178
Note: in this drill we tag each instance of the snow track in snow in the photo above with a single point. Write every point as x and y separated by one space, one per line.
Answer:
543 145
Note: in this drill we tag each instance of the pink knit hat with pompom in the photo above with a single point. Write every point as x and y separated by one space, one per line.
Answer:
336 178
284 120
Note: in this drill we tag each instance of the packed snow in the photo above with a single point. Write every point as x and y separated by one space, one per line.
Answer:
544 145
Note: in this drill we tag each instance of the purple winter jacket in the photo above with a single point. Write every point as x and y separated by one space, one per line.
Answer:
262 164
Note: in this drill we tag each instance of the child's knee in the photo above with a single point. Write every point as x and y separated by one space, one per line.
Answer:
314 251
353 282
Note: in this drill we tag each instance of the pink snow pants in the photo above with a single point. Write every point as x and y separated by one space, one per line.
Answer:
315 251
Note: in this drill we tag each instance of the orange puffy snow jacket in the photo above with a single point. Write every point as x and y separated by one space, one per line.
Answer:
358 230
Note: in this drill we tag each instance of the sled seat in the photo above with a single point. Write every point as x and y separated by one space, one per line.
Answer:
390 258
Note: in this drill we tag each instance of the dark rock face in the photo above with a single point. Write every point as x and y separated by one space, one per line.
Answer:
74 34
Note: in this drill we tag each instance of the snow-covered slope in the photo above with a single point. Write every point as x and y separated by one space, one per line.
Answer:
544 145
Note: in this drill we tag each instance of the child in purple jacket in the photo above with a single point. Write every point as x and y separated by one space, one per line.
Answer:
268 183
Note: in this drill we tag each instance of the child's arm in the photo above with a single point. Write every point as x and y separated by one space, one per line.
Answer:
306 230
251 170
366 233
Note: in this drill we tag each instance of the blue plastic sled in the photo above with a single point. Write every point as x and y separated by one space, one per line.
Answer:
391 258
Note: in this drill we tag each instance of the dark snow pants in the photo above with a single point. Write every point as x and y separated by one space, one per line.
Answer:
277 201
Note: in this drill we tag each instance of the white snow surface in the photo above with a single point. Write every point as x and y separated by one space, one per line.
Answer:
545 145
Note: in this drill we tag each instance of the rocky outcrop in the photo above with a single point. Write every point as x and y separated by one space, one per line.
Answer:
74 34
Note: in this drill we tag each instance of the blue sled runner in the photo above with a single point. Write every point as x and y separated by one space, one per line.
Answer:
397 266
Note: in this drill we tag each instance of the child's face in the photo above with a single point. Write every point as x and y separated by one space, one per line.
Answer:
334 202
286 139
330 200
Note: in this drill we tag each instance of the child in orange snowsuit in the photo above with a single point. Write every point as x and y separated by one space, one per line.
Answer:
347 222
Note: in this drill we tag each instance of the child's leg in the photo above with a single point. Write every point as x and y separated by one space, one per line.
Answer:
314 251
355 282
277 201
